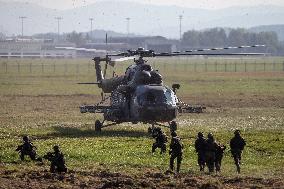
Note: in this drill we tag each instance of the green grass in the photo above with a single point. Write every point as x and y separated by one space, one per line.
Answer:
44 105
128 148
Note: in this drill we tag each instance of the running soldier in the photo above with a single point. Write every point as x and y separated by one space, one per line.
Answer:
27 149
57 160
219 156
210 152
237 145
200 149
176 150
161 140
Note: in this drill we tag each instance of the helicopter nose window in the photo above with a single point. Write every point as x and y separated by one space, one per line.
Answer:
155 96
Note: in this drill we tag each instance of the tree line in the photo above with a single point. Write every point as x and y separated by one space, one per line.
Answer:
219 37
210 38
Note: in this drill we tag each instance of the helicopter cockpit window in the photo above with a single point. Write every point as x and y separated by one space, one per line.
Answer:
157 97
151 97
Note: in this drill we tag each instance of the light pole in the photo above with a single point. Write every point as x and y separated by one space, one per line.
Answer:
22 19
58 24
180 18
91 19
127 28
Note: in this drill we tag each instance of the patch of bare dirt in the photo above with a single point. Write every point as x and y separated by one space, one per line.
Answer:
106 179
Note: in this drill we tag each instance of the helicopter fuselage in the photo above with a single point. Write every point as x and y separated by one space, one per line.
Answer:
147 104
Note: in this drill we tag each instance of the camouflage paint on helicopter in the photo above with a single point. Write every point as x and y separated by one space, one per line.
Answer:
140 95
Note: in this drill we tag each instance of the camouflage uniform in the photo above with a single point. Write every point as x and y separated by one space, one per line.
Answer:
237 145
27 148
210 152
160 140
176 150
57 161
200 149
219 156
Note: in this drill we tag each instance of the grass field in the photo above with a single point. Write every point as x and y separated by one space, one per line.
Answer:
44 105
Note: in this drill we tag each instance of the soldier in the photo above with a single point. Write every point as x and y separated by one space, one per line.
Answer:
219 156
210 152
160 140
200 149
237 145
176 149
27 148
57 160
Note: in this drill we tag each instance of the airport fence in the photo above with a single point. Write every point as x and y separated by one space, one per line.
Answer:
82 66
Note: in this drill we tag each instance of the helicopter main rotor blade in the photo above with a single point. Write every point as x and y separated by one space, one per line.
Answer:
223 48
124 54
124 59
82 49
112 62
211 54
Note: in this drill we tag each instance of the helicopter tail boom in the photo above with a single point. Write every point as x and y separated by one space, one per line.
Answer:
107 85
98 68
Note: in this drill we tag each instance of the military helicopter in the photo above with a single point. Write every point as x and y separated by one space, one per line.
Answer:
140 94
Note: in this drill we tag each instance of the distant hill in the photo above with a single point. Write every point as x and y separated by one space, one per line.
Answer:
279 29
145 19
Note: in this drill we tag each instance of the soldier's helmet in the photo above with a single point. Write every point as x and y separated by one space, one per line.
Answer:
174 134
56 148
200 134
210 136
237 132
25 138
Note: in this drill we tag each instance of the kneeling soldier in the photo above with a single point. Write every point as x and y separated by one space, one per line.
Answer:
176 149
160 140
57 160
27 148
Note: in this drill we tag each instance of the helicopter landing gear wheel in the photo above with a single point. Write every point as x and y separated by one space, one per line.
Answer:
98 126
173 126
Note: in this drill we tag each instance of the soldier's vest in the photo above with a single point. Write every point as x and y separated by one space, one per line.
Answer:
237 143
177 145
27 147
200 144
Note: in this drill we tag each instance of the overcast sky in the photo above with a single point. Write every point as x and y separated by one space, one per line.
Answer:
207 4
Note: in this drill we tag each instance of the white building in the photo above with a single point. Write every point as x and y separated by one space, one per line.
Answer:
34 48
